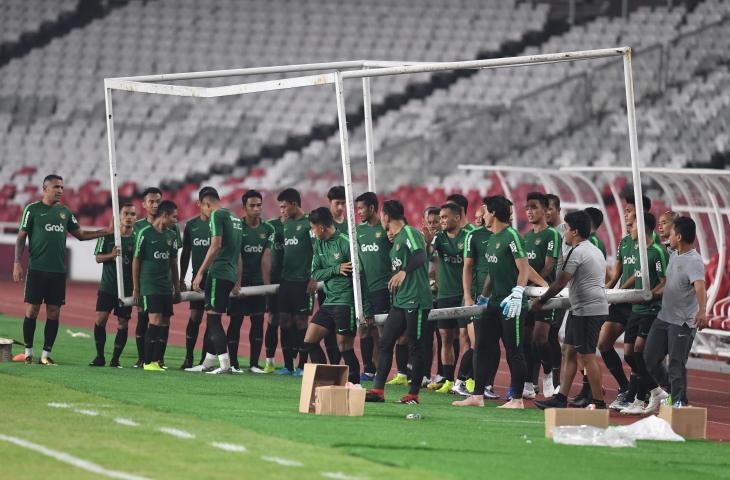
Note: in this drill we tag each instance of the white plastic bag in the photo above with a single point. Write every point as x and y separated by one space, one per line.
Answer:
591 436
649 428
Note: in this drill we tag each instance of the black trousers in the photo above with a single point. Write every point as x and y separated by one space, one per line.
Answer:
488 330
412 322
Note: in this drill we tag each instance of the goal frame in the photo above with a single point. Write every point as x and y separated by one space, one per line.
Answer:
336 74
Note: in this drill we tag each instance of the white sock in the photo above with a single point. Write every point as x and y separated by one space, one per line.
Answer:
528 386
44 354
458 383
209 360
657 391
269 361
28 352
225 361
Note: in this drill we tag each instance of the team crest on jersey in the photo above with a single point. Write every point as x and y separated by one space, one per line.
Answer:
378 234
262 236
299 227
62 215
538 241
397 247
460 245
169 242
498 245
337 255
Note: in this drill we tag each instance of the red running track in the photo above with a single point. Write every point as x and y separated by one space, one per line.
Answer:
706 389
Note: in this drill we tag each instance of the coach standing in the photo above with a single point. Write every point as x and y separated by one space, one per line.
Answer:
45 223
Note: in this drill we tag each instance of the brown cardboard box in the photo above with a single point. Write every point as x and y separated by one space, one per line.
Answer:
339 401
560 417
318 375
689 422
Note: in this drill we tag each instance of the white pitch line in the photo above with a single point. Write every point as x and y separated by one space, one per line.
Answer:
70 459
91 413
127 422
283 461
340 476
228 447
58 405
176 433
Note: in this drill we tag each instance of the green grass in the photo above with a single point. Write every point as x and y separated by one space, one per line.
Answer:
260 412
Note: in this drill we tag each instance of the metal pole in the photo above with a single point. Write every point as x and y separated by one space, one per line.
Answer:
636 175
350 203
113 187
367 107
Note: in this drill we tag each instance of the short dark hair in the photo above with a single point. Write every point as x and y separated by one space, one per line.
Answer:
579 221
540 197
458 199
52 177
394 209
336 193
289 195
321 216
151 191
687 228
454 207
649 222
208 192
645 201
251 194
126 204
166 208
499 206
369 199
551 197
431 211
596 216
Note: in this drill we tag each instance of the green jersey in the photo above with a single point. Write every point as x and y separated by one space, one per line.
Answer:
503 249
375 255
47 226
595 240
108 284
626 254
657 258
155 251
541 246
328 256
140 224
196 237
255 240
475 247
227 226
450 253
297 250
342 226
414 292
277 249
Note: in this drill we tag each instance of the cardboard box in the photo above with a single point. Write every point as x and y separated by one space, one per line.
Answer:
339 401
561 417
689 422
318 375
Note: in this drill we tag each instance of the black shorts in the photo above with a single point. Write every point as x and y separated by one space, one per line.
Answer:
255 304
106 302
337 318
218 294
158 304
448 323
581 332
638 325
293 298
380 301
45 287
619 313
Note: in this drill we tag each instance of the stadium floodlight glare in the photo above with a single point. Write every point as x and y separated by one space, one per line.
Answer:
337 73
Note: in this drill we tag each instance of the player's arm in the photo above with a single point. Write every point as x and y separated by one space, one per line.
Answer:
629 284
618 270
19 249
136 267
266 266
534 277
467 278
175 277
185 255
101 256
547 269
487 288
239 275
83 235
553 290
701 294
321 272
416 259
216 243
661 271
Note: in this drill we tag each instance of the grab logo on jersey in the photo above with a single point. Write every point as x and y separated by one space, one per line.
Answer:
491 258
54 228
531 255
291 241
161 255
253 249
629 260
373 247
455 259
201 242
396 263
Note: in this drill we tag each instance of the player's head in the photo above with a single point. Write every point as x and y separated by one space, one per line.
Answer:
336 197
535 208
579 227
366 205
209 200
167 212
322 222
460 200
450 216
630 208
649 226
253 203
498 209
52 188
666 221
596 218
127 214
431 219
289 201
683 231
552 213
479 215
151 198
392 212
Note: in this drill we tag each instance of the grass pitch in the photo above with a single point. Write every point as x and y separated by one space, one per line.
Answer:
177 425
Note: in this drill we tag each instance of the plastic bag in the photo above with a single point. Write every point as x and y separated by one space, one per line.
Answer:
649 428
591 436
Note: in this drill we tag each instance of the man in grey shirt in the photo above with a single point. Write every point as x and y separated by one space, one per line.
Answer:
584 272
683 312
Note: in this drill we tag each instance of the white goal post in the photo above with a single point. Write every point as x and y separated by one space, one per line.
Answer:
336 74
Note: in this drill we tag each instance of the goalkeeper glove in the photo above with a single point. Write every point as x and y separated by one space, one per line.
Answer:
482 300
512 305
